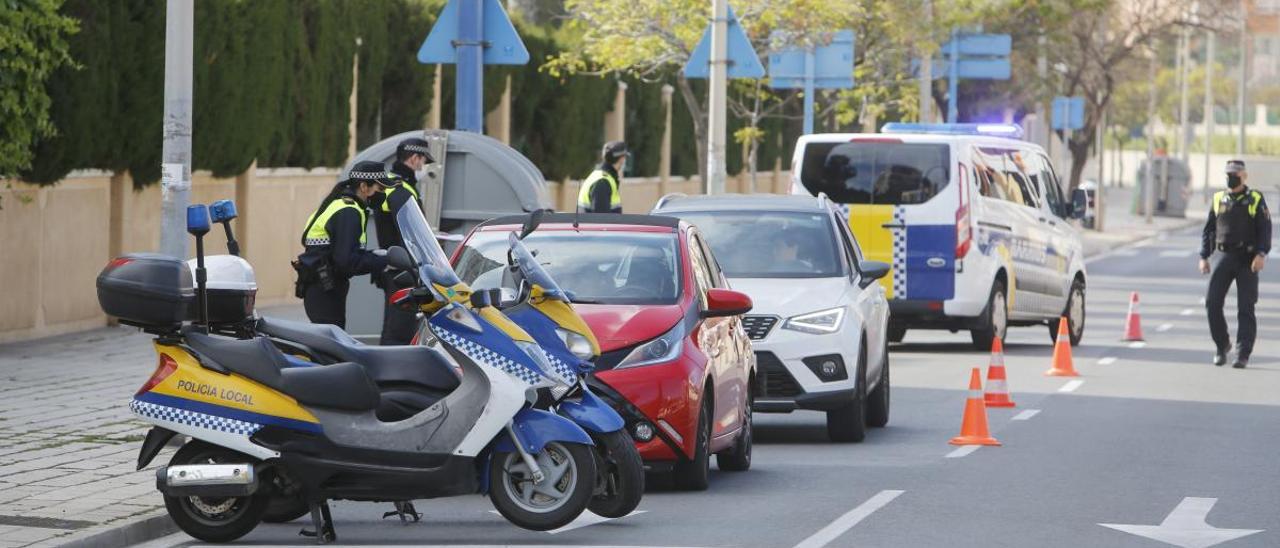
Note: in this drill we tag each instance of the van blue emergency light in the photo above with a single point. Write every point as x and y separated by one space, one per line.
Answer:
1012 131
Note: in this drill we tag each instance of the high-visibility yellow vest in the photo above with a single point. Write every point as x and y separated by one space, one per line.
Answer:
584 192
317 234
1255 198
402 183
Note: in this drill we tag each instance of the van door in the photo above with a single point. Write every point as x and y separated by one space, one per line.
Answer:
1061 248
1010 224
901 206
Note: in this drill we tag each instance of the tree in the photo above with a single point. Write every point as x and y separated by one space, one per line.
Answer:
651 39
33 44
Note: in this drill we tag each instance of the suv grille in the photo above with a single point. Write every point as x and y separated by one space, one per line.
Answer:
778 382
758 327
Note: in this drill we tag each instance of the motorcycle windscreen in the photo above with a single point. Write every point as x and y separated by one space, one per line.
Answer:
420 242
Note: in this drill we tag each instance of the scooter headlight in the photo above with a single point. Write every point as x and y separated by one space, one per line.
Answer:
578 345
550 376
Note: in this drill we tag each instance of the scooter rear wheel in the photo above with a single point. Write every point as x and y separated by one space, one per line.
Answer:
623 473
570 472
214 519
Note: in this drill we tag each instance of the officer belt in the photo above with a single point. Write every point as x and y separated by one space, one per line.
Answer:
1236 247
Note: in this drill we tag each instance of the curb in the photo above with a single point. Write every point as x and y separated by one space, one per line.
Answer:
127 534
1140 240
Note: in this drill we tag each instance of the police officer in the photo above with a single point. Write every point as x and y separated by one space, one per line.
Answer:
412 157
334 240
1237 237
599 192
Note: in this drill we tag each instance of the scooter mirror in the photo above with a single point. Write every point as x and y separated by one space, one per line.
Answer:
531 223
399 258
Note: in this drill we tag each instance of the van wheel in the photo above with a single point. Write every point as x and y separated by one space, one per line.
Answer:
896 334
995 319
849 424
1074 314
214 519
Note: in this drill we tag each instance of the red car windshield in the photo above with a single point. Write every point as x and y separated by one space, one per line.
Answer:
592 267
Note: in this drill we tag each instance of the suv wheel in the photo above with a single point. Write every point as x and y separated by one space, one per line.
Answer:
848 423
878 399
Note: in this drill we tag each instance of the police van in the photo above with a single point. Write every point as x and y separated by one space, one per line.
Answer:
972 219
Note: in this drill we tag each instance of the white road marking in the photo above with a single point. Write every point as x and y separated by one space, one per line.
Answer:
851 518
1126 253
1185 526
1187 312
587 519
1071 386
1164 327
1179 253
1138 344
963 451
1026 415
1107 360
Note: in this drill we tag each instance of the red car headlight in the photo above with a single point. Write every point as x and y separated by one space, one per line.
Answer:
660 350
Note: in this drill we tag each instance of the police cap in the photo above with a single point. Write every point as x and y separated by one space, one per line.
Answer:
374 172
414 145
613 150
1235 166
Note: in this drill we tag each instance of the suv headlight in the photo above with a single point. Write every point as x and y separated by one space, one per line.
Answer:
660 350
821 322
578 345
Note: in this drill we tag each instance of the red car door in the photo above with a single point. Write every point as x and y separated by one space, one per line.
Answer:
715 338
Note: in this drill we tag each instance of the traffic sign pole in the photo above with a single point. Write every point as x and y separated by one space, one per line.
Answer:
809 67
953 79
470 77
718 84
175 152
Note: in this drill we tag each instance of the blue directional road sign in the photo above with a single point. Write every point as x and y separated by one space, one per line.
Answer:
743 61
1068 113
503 46
822 67
976 68
988 45
974 56
832 65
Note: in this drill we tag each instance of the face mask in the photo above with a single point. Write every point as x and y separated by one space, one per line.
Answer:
1233 180
420 173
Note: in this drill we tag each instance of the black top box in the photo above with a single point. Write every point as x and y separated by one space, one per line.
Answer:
146 290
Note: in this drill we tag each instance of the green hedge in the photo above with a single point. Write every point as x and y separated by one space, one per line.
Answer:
273 83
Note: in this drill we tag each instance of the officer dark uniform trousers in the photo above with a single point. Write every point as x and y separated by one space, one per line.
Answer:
398 325
1238 229
335 239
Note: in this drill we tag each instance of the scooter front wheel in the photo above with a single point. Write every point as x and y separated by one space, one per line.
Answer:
214 519
622 473
569 473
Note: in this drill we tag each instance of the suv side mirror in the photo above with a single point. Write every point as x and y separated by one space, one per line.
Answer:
871 271
399 259
1079 203
726 302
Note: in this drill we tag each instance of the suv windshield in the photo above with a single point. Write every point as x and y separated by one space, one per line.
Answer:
876 172
592 267
768 244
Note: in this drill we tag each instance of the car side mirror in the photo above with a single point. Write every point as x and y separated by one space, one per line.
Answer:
399 258
726 302
872 271
1079 203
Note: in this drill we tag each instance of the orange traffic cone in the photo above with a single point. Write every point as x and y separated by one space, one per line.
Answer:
997 393
1062 366
973 429
1133 323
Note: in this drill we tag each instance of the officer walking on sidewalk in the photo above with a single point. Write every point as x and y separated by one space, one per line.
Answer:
599 192
1237 238
334 240
412 157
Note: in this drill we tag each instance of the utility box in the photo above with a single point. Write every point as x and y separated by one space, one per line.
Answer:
1172 182
475 178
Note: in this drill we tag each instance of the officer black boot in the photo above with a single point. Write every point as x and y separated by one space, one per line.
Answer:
1242 361
1220 358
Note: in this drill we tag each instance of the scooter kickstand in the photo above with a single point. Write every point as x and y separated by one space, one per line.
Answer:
322 523
405 510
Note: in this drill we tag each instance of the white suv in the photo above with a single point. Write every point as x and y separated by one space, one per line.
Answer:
820 320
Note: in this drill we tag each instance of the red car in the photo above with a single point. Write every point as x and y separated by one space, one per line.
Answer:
676 362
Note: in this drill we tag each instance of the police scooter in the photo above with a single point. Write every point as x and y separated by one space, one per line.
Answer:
261 428
544 310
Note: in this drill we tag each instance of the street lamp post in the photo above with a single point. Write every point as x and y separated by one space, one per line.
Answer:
175 154
716 110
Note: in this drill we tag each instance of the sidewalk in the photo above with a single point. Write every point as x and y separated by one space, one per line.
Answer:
69 445
1121 226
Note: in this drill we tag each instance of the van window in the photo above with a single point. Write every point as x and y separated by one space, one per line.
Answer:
1053 187
1000 176
877 172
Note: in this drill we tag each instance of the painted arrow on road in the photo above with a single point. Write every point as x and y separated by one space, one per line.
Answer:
1185 526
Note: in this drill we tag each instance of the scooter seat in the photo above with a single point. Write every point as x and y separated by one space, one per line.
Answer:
387 365
254 358
338 386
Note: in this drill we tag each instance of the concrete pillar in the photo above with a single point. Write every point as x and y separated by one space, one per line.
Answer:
664 155
244 181
355 88
615 122
497 123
